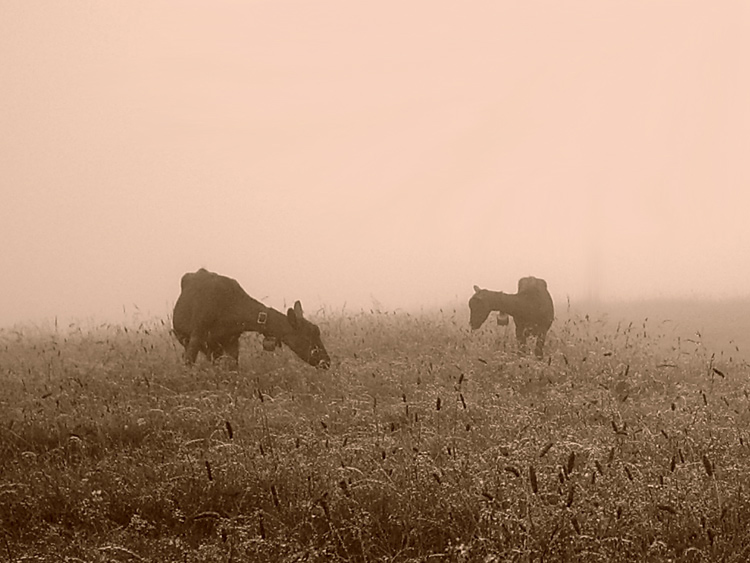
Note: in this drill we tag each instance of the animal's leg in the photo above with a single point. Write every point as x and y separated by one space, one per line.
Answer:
214 351
232 349
228 349
194 345
521 334
183 339
539 350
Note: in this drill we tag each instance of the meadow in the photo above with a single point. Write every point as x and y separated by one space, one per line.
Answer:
423 442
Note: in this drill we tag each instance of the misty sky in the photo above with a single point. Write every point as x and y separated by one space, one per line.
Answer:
343 151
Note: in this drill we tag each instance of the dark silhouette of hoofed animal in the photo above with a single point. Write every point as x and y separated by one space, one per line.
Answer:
531 308
212 312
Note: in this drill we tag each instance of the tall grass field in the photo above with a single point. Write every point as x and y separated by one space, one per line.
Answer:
630 441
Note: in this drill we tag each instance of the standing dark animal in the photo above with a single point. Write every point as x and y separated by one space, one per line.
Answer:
213 311
531 308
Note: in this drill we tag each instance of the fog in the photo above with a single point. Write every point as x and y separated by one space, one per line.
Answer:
364 153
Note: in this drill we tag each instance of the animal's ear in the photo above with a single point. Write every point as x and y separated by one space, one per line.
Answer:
477 289
298 309
291 317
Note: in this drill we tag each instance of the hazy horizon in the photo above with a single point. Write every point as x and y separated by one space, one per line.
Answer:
351 152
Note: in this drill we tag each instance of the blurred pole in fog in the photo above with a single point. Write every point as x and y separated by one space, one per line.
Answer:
595 234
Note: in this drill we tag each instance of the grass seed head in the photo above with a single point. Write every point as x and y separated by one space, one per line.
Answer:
546 448
344 488
513 470
627 471
666 508
576 525
571 463
533 480
261 526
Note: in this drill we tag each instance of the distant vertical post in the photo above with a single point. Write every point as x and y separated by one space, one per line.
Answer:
594 258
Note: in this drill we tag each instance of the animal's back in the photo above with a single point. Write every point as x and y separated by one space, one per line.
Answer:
530 284
205 298
540 300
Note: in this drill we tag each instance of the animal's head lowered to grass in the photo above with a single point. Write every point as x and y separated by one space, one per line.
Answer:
304 339
479 308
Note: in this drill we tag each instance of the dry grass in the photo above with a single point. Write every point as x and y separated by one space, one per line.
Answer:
422 443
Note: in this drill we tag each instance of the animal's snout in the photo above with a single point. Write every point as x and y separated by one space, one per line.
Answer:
319 358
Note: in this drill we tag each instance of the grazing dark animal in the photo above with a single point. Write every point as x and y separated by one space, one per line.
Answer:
531 308
212 312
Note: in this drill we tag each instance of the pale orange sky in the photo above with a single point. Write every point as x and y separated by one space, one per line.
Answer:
340 151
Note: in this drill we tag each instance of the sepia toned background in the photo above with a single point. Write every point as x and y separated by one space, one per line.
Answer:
371 153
